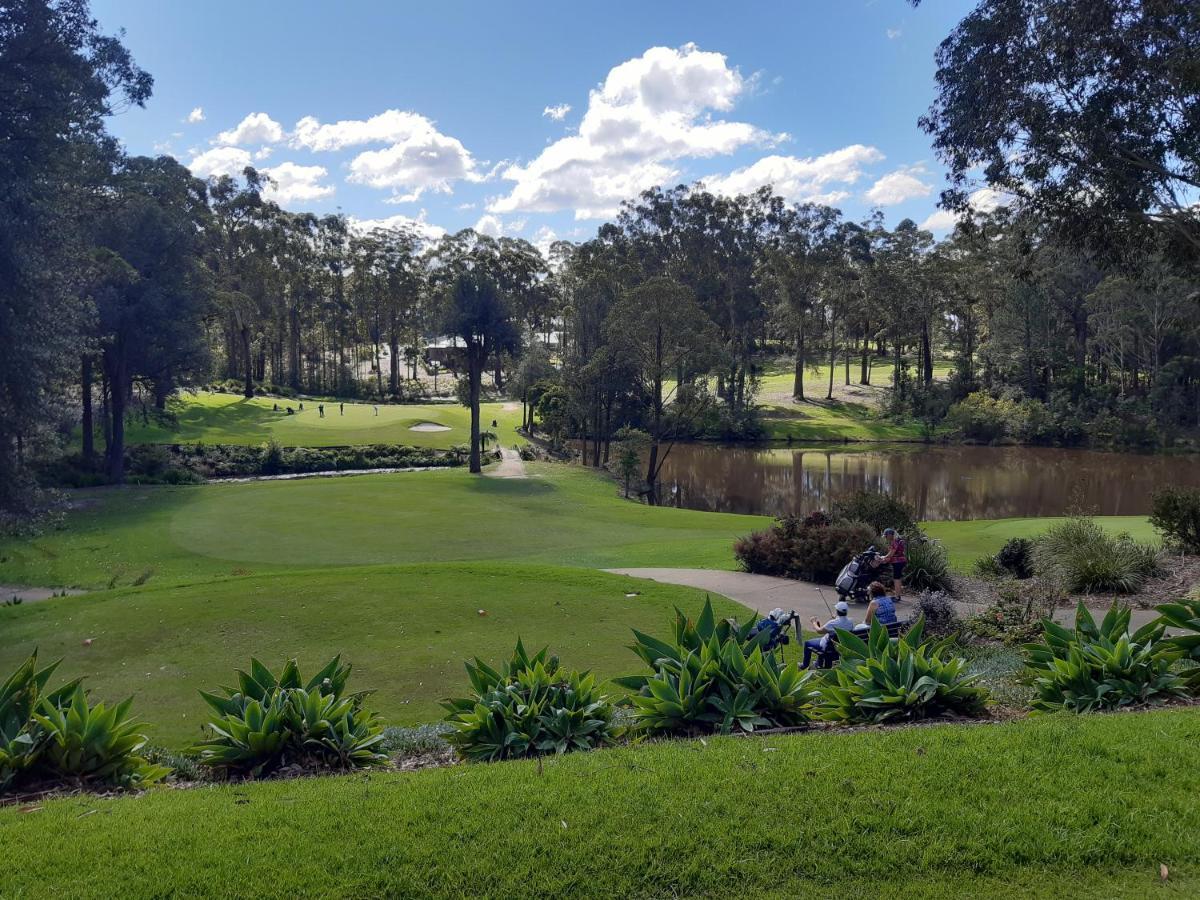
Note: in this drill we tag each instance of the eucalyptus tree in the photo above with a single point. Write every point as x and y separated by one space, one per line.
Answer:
659 331
1088 111
59 78
151 288
791 266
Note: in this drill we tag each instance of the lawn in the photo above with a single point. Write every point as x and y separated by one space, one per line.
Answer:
965 542
833 420
1053 807
406 629
232 419
562 515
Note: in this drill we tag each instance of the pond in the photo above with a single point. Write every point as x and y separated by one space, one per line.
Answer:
940 482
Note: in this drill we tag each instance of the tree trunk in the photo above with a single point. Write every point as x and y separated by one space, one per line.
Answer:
926 354
475 363
89 428
163 385
864 375
117 397
798 379
249 388
832 356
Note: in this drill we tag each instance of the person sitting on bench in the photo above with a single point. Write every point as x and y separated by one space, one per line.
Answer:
841 622
881 609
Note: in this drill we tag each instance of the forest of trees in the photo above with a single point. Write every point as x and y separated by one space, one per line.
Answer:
1077 321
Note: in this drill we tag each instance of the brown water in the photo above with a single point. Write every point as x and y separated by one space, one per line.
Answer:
939 482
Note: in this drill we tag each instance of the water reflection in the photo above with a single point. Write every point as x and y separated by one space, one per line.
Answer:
939 482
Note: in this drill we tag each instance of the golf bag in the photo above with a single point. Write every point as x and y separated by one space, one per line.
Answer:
856 577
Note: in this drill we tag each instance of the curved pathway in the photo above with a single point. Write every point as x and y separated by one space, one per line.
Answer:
762 593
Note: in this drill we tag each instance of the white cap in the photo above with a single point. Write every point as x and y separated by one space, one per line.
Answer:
842 607
776 614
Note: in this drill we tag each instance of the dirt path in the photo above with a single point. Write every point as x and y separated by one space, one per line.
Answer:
762 593
510 466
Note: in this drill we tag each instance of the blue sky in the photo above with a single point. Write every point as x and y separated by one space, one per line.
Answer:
455 114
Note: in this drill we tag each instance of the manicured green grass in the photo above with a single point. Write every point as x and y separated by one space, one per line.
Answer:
1052 807
232 419
967 541
562 514
834 420
406 629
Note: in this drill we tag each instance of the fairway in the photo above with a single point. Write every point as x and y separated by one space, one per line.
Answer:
561 514
965 542
214 418
405 629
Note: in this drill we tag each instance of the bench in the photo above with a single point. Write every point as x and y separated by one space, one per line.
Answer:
829 656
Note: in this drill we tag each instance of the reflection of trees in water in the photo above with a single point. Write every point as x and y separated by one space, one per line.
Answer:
939 482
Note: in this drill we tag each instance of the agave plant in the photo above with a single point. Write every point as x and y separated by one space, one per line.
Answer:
21 740
94 743
268 722
528 707
715 676
1103 666
881 679
1185 616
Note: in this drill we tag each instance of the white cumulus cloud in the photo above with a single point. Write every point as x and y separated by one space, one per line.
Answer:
557 112
494 226
196 115
256 128
984 200
896 187
294 183
425 230
419 158
220 161
649 113
813 179
894 33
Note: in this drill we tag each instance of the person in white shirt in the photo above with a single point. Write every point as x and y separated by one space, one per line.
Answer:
840 622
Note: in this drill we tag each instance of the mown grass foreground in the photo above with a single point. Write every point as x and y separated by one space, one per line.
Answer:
1052 807
232 419
405 629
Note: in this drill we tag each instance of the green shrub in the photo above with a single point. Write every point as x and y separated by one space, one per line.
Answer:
794 549
1016 618
1185 617
272 458
1176 513
928 568
528 707
1094 667
98 744
714 676
1084 558
881 679
21 697
876 509
1016 558
267 722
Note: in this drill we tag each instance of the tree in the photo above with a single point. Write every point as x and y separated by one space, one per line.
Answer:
475 312
1086 110
152 288
664 336
59 78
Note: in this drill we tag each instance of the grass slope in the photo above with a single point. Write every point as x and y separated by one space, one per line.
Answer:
833 420
965 542
231 419
564 515
1053 807
406 629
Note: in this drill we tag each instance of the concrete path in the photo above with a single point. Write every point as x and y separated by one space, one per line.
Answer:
762 593
510 466
32 594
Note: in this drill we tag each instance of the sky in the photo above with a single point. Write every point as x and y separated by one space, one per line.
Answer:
536 120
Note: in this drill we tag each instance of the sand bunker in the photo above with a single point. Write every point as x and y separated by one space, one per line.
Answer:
429 426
